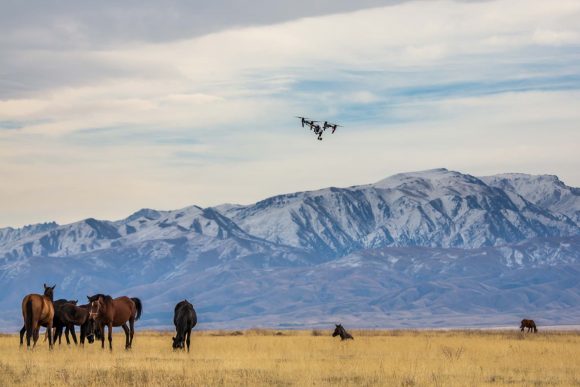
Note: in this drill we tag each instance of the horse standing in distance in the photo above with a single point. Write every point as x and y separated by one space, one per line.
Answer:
340 331
184 319
530 324
105 311
38 311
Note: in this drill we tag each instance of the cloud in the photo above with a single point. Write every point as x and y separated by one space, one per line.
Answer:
163 117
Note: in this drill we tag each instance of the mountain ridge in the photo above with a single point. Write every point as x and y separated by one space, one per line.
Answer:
411 244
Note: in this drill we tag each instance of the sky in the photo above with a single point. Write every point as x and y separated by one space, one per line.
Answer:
109 107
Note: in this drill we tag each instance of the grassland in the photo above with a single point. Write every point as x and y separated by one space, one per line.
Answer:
305 358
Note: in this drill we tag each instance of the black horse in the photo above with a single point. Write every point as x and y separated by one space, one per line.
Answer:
530 324
340 331
71 315
184 319
59 323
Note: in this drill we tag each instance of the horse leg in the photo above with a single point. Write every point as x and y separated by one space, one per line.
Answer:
126 329
22 332
35 333
188 339
83 335
57 334
73 334
110 326
131 330
49 330
66 332
102 327
28 336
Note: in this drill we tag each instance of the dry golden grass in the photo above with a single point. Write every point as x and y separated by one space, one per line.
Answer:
264 358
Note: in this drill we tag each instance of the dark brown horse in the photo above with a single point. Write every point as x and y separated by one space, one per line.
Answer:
530 324
38 311
105 311
71 315
59 324
340 331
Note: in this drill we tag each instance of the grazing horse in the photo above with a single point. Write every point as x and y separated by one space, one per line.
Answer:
38 311
71 315
340 331
530 324
184 319
106 311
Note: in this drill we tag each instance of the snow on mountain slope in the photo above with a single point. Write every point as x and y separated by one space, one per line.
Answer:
437 208
10 234
545 191
192 223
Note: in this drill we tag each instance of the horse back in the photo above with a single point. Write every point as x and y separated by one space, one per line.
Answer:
122 308
41 308
72 314
185 316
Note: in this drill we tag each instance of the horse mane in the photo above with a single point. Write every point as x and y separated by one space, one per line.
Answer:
105 297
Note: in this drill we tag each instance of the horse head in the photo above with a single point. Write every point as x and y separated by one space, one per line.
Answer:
96 306
49 291
178 342
338 330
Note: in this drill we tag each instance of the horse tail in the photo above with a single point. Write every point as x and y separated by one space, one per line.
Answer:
28 320
139 307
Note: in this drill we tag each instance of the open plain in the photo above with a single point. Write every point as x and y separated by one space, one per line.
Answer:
306 358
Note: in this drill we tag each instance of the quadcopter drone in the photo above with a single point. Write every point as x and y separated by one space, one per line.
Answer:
316 128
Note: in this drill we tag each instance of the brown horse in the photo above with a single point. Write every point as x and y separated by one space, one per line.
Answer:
530 324
105 311
38 311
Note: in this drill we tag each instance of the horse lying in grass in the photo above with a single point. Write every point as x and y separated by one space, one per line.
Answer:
340 331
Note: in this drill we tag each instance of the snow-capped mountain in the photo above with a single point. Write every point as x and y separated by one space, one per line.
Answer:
393 253
436 208
545 191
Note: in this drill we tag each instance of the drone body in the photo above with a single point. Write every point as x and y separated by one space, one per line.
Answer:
316 128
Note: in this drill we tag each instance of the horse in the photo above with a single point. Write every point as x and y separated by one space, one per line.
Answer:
340 331
59 323
38 311
530 324
55 321
184 319
70 315
106 311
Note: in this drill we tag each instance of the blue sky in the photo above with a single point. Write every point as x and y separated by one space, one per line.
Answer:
107 110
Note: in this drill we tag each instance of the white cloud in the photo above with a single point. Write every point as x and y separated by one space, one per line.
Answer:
209 119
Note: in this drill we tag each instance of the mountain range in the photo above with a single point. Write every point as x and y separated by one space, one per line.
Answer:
434 248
